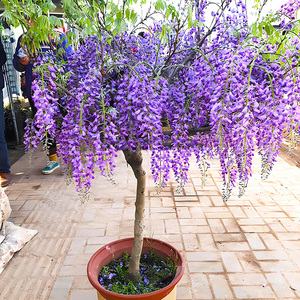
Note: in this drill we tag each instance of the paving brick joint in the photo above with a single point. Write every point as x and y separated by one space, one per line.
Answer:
247 248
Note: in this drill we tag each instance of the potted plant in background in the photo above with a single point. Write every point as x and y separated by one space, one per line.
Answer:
223 90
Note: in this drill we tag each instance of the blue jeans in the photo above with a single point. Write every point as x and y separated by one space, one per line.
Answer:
4 162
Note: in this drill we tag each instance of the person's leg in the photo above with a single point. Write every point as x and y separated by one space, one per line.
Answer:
4 161
33 108
52 150
52 156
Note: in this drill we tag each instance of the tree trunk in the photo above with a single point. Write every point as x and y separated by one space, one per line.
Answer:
135 159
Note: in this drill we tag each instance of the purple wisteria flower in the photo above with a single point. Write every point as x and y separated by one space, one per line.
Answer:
243 88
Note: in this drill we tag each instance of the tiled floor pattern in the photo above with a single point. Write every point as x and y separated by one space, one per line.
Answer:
247 248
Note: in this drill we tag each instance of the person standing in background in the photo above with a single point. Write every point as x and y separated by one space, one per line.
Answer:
23 64
5 176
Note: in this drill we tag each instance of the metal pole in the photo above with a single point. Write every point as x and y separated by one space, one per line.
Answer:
9 93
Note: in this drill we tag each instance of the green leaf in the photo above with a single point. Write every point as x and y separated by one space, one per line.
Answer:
254 28
114 8
51 6
168 12
127 14
48 6
42 23
109 40
120 24
159 5
119 15
164 31
116 30
55 21
71 36
109 21
10 18
280 49
260 28
269 29
133 17
123 25
190 17
266 56
199 24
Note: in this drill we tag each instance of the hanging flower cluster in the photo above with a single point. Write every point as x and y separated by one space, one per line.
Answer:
236 94
290 8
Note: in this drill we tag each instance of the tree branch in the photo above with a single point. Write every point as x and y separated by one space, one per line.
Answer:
135 159
148 15
65 90
192 131
189 57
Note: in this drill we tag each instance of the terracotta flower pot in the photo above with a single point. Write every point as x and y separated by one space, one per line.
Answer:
116 249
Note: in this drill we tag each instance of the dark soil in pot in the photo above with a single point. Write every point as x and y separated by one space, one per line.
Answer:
156 274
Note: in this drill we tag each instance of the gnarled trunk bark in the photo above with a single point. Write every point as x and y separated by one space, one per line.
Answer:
135 159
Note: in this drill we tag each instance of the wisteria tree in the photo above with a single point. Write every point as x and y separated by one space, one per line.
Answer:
222 87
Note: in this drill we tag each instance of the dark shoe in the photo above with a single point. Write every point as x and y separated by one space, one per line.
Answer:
5 179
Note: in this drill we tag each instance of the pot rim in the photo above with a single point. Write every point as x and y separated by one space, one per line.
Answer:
167 289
